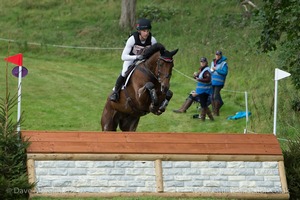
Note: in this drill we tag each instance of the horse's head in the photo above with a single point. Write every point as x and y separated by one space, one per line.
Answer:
160 63
164 68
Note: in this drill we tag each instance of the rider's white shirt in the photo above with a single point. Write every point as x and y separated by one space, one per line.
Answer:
129 45
126 57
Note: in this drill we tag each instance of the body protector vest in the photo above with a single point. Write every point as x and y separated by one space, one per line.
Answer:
139 47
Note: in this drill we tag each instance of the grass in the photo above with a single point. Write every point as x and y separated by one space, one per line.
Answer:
66 88
129 198
76 92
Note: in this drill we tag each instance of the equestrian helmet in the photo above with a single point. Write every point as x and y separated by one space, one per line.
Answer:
143 24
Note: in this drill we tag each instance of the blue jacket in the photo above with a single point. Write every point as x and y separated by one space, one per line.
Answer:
219 75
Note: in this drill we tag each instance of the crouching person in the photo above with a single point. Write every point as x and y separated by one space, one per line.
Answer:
202 93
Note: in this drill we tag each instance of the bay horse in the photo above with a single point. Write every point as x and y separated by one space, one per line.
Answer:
146 90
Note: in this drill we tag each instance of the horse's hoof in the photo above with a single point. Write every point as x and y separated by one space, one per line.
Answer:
162 110
159 112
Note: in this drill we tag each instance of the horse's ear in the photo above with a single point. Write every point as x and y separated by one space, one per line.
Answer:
174 52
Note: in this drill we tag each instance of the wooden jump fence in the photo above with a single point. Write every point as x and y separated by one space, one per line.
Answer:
69 163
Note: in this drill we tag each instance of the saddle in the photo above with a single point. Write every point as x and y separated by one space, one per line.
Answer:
130 70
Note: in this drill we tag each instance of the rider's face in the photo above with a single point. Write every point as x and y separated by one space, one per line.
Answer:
144 34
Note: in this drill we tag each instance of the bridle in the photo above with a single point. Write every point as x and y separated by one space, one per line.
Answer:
146 69
159 73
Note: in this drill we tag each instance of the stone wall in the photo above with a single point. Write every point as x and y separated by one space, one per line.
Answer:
140 176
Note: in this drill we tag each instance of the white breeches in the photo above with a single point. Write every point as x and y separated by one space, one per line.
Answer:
126 64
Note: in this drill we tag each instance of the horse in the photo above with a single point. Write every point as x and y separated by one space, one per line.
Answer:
146 90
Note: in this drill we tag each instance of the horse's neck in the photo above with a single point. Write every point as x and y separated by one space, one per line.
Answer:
151 63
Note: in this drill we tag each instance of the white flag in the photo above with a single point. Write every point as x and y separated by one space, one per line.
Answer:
279 74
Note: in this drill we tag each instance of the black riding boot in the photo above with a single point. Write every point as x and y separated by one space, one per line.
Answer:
115 95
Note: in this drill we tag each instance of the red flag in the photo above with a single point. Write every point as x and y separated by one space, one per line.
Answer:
16 59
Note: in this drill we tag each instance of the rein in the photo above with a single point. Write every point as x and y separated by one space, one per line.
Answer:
146 69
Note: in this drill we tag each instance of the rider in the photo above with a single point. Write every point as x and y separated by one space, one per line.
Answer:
134 47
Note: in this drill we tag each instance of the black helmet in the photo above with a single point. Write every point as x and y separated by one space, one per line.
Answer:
143 24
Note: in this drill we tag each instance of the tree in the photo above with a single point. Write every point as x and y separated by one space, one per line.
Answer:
127 19
281 32
13 172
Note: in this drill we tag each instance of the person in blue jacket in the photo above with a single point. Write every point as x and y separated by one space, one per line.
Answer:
219 70
202 92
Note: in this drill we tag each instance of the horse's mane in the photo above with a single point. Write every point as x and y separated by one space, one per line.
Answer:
153 49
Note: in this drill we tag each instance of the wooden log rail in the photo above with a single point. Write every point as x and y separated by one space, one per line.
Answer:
158 147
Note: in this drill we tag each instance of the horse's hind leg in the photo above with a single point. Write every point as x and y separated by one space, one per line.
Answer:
129 123
109 119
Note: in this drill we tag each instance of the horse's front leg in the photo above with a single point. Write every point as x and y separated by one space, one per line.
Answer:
153 96
165 103
150 87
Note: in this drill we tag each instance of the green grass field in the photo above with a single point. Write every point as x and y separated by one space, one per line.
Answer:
67 86
130 198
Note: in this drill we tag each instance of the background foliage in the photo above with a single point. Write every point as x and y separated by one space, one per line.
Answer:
292 167
13 172
281 31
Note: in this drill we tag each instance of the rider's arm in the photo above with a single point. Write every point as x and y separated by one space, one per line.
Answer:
125 54
153 40
206 77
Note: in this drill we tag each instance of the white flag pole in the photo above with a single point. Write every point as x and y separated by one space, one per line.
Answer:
18 60
275 107
279 74
19 98
247 117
